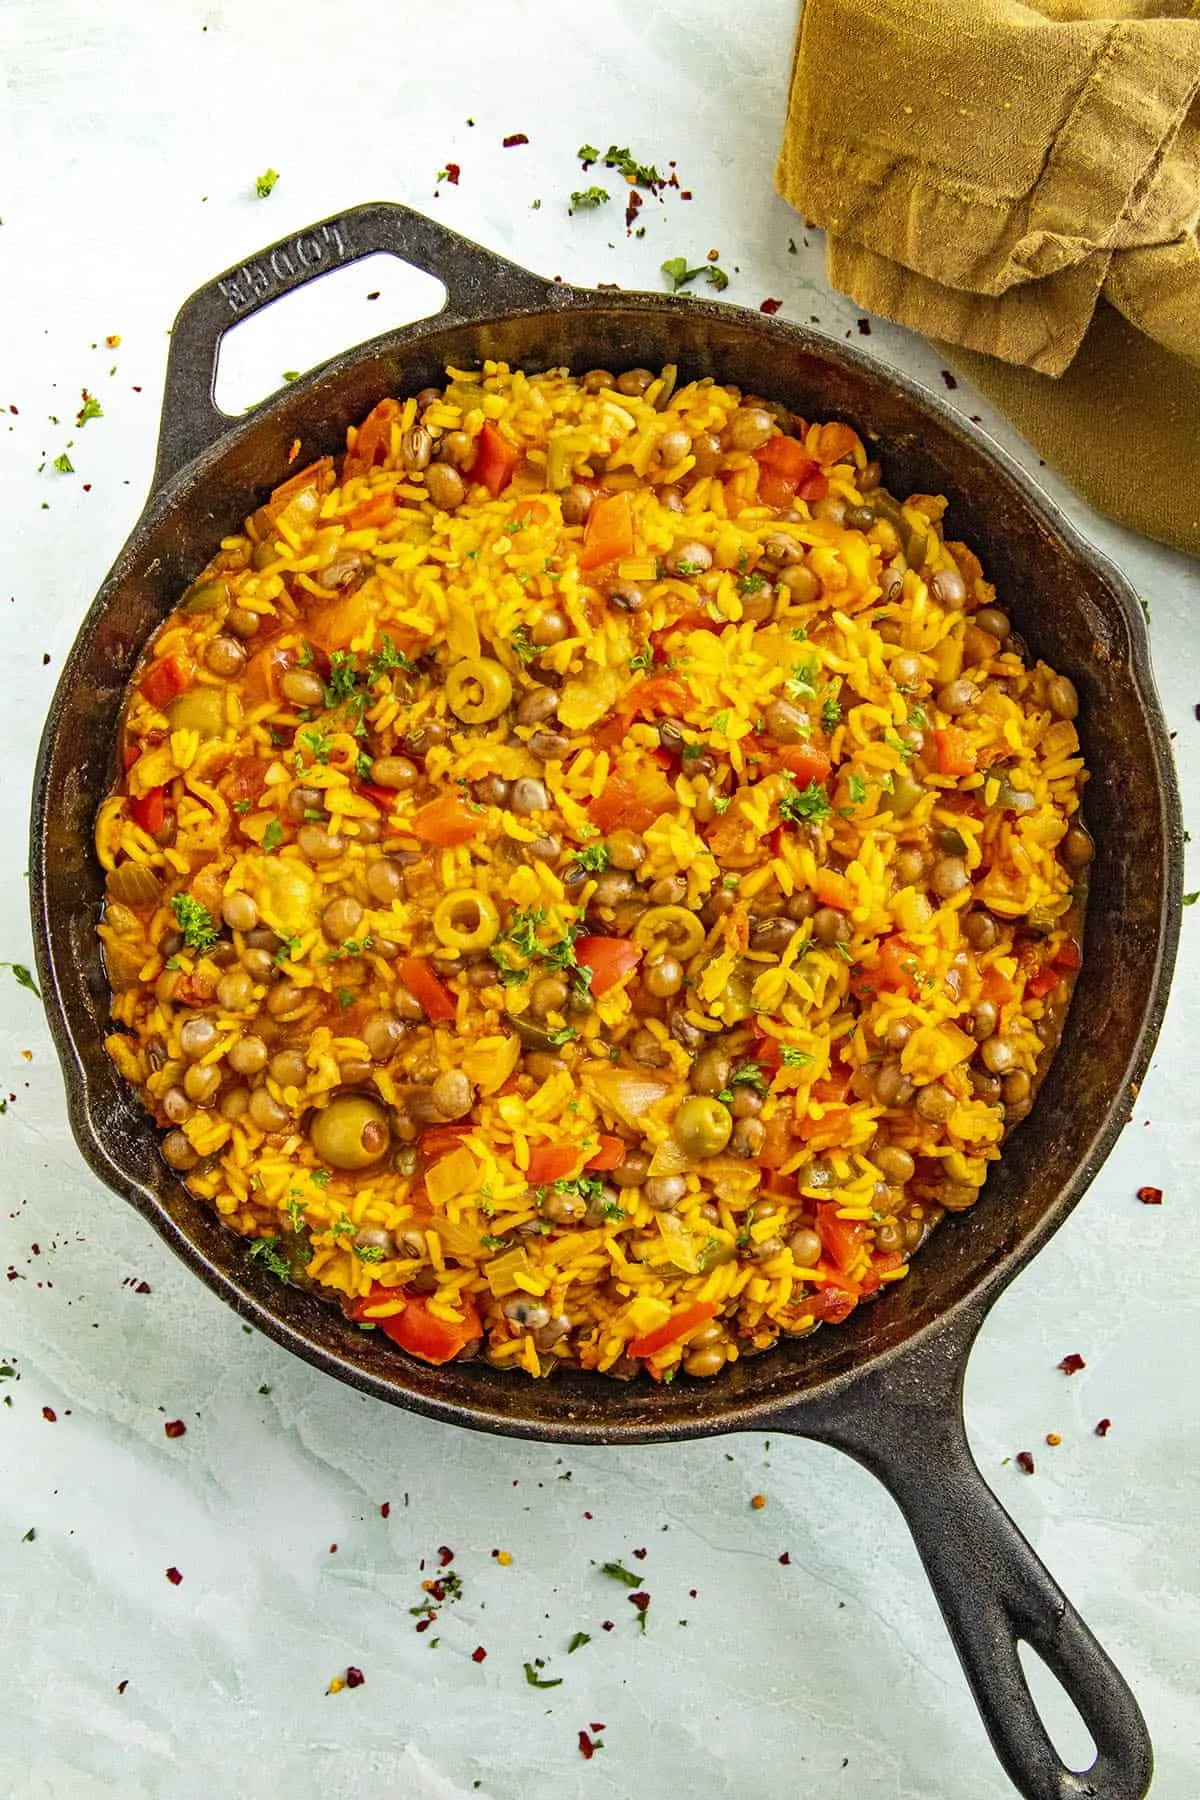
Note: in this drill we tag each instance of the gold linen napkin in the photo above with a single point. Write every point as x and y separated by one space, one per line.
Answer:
1021 180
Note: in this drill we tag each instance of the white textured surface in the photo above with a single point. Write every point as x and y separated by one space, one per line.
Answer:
129 140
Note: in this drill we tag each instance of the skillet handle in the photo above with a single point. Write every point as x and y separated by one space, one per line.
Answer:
478 283
905 1424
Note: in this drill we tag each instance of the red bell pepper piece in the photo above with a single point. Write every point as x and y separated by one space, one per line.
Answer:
610 1155
842 1238
416 1329
609 959
149 810
831 1304
608 533
383 797
165 680
379 510
436 1001
997 987
1043 983
495 459
834 890
815 487
632 800
439 1140
129 755
681 1324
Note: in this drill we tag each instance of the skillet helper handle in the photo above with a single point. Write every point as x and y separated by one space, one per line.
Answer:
905 1424
478 283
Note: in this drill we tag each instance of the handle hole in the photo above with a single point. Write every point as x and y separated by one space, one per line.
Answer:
318 321
1057 1711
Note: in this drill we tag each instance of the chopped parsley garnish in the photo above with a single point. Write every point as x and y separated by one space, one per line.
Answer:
612 1213
288 948
857 789
680 276
64 465
801 684
593 858
195 921
619 1573
321 1177
345 998
751 584
918 717
578 1641
491 1242
897 744
800 634
722 803
296 1213
363 764
91 408
535 1680
524 649
343 678
831 713
691 752
810 804
319 744
265 185
749 1074
241 806
344 1228
1188 900
643 660
272 836
640 174
588 153
23 978
266 1251
369 1253
584 198
791 1058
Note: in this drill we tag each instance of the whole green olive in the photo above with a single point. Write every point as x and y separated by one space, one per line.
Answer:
201 709
702 1127
351 1132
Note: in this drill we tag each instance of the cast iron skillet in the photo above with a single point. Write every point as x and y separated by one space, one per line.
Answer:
886 1387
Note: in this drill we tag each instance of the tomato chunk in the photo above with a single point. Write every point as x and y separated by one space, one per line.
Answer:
807 762
955 751
842 1238
608 533
418 1330
436 1001
448 820
495 459
373 439
609 959
632 800
681 1324
610 1155
552 1162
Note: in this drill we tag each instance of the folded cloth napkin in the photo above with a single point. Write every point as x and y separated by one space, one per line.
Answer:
1020 179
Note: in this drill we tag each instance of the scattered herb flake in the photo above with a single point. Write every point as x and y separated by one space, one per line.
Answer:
91 408
619 1573
535 1680
272 836
22 976
265 184
810 804
195 921
64 465
584 198
577 1642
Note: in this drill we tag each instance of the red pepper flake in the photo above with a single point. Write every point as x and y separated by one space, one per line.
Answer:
175 1428
770 306
587 1749
333 1549
607 1625
864 328
1071 1365
445 1555
592 1726
949 380
632 208
1103 1427
587 1515
1025 1461
692 1592
385 1510
354 1677
452 173
50 1416
510 143
142 1287
121 1686
685 193
424 1624
641 1600
785 1559
1150 1196
640 1554
479 1654
174 1577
